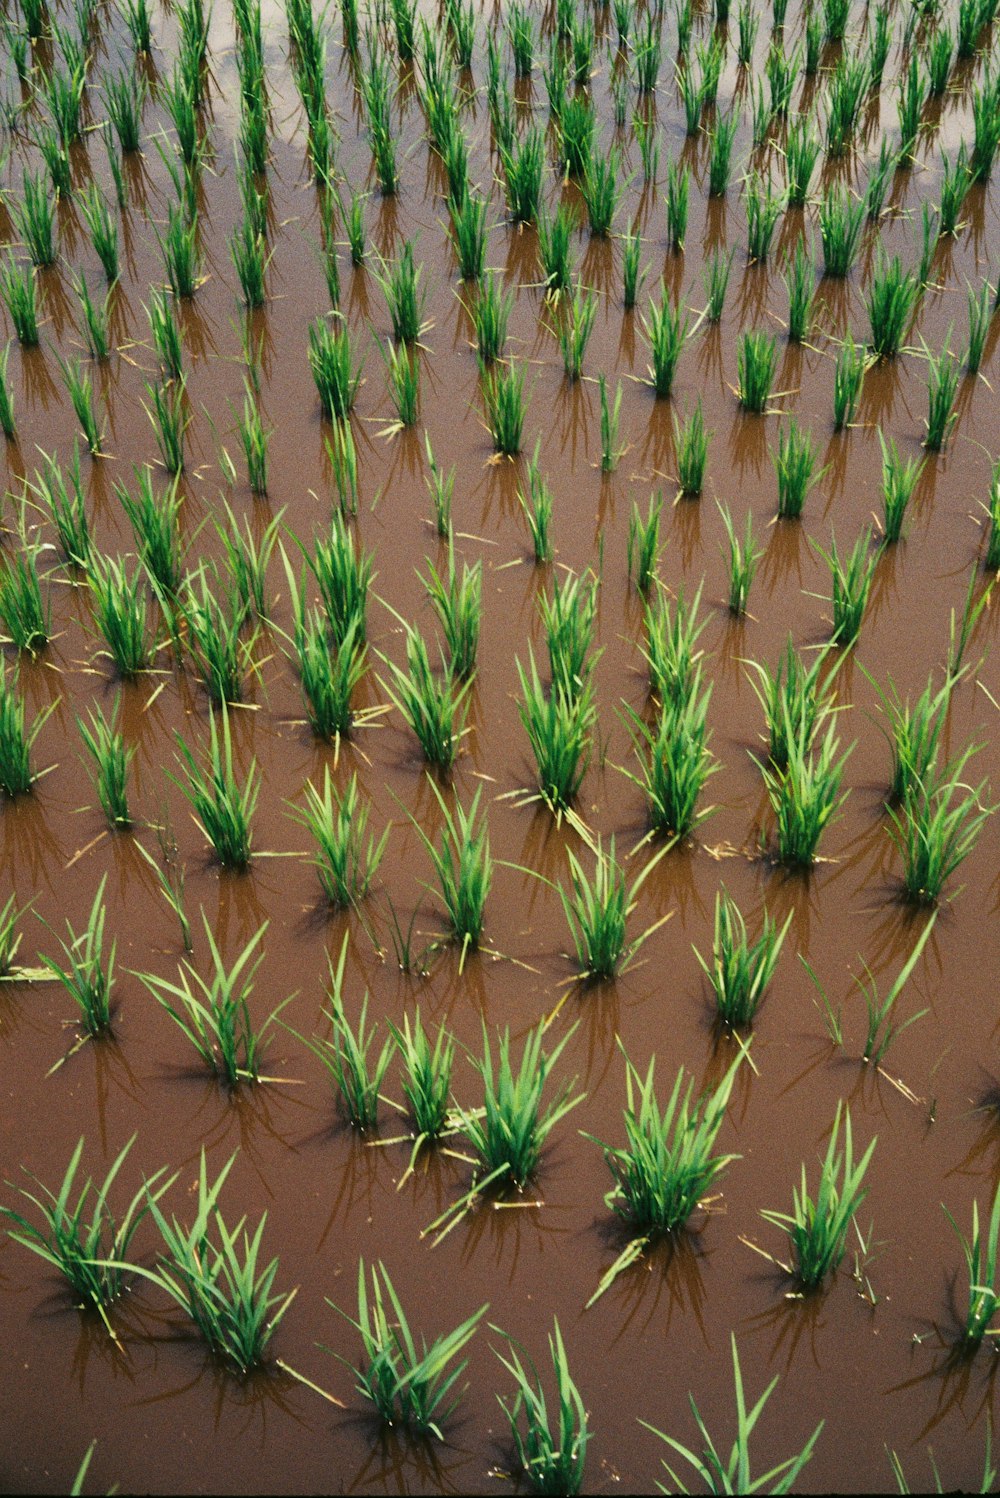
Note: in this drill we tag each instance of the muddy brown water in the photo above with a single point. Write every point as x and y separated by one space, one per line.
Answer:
883 1375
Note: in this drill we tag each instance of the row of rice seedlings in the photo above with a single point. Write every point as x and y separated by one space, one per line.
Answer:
741 970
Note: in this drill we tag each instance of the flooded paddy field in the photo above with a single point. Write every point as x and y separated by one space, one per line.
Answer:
879 1349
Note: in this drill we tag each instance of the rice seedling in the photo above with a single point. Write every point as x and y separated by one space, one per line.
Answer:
120 613
943 375
80 1235
741 970
763 207
671 651
344 576
846 91
552 1449
8 424
433 705
980 1255
103 230
646 55
611 451
441 487
793 700
911 96
881 1031
166 335
805 794
632 276
689 88
66 505
331 360
620 96
914 734
404 296
892 296
648 139
980 317
575 327
756 358
569 618
722 139
597 911
782 73
879 176
840 224
522 168
503 399
985 131
346 855
89 974
555 236
684 15
223 805
20 297
105 744
879 42
468 235
665 330
742 559
179 248
537 507
802 149
991 560
250 256
16 739
403 381
24 613
521 31
170 417
715 276
155 521
691 441
602 190
457 602
34 220
228 1297
644 543
463 867
676 204
415 1389
955 184
761 114
800 283
214 1013
559 726
794 461
899 479
328 674
666 1165
850 581
674 759
80 389
818 1228
96 320
733 1475
355 1072
848 377
214 640
937 827
490 315
427 1071
124 96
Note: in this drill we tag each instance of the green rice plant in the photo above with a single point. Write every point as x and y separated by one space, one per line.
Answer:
748 23
427 1071
794 461
733 1475
80 389
970 18
89 974
124 96
404 295
214 1013
81 1235
936 828
756 358
848 377
537 507
559 725
105 744
980 317
228 1297
20 297
846 91
800 283
503 399
36 18
716 281
632 276
461 33
331 360
911 97
985 130
34 219
170 417
103 230
646 55
991 560
66 504
354 225
155 522
763 209
879 176
7 423
955 183
521 31
344 575
666 330
179 248
928 242
490 315
254 438
463 867
684 15
914 734
958 638
582 40
742 558
818 1228
666 1165
597 911
16 740
10 937
676 203
403 381
214 640
555 236
879 41
328 673
415 1389
805 794
96 320
840 224
881 1031
689 88
899 479
120 606
433 705
850 581
761 114
674 759
346 855
355 1072
611 451
569 617
457 602
468 234
223 805
250 256
522 169
980 1254
892 297
575 327
644 543
552 1449
943 375
648 139
691 441
782 73
794 701
671 651
741 970
720 157
24 613
441 487
166 335
602 188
